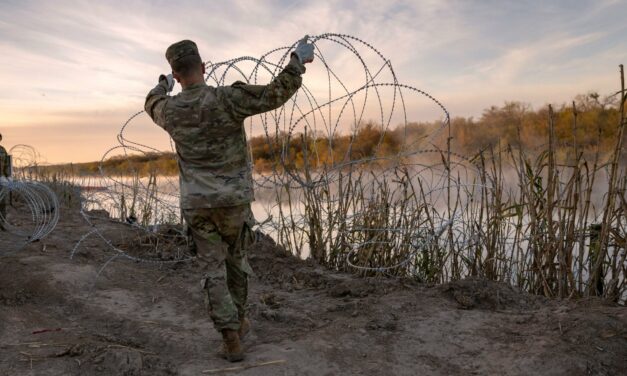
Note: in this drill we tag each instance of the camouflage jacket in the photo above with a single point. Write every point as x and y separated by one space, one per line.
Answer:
5 165
207 126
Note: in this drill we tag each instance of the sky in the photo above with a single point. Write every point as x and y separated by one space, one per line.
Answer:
73 72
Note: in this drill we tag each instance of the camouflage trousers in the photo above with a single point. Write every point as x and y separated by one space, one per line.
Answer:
222 237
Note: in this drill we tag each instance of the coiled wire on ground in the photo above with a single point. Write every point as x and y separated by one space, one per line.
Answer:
39 213
317 111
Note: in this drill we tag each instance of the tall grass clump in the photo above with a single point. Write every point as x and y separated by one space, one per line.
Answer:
549 220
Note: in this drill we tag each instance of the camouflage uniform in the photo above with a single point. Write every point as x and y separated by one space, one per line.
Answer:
207 126
5 171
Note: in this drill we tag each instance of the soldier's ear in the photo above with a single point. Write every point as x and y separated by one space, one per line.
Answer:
203 68
176 76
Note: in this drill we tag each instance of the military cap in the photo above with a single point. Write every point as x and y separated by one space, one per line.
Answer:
181 49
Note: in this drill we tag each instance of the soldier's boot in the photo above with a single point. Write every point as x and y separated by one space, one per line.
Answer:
244 327
231 348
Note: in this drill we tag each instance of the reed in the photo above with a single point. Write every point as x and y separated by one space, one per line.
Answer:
548 220
525 217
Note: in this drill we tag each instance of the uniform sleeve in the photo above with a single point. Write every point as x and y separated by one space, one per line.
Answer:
4 162
155 104
7 166
246 100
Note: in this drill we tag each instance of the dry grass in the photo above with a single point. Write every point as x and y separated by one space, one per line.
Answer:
548 222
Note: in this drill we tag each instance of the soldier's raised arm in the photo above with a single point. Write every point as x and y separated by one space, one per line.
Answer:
5 162
246 100
156 99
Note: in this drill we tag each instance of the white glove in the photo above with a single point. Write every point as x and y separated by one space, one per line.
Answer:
304 51
169 81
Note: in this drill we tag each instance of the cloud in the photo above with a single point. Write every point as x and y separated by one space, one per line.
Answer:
66 61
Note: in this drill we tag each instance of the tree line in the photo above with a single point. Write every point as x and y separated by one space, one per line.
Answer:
589 122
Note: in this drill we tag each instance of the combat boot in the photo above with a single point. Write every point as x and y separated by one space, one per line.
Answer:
231 348
244 327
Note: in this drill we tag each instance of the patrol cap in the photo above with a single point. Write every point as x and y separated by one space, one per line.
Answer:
181 49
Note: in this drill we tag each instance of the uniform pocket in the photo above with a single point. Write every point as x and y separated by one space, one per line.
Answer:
247 239
246 268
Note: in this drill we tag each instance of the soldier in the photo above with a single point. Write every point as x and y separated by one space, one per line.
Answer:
5 174
215 175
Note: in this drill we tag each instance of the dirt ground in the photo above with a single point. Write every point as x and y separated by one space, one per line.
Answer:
57 318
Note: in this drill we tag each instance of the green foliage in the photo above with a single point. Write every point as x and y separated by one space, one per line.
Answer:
518 125
514 124
142 165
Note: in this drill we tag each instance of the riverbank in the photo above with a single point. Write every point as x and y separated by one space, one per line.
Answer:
57 317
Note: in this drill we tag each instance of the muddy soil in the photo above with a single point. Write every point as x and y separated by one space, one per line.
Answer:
58 318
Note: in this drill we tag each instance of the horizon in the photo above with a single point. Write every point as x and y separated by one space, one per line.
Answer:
81 70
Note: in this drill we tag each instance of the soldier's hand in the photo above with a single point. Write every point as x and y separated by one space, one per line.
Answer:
169 80
304 51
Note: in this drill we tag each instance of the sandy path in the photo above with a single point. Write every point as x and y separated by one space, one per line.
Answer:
138 319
